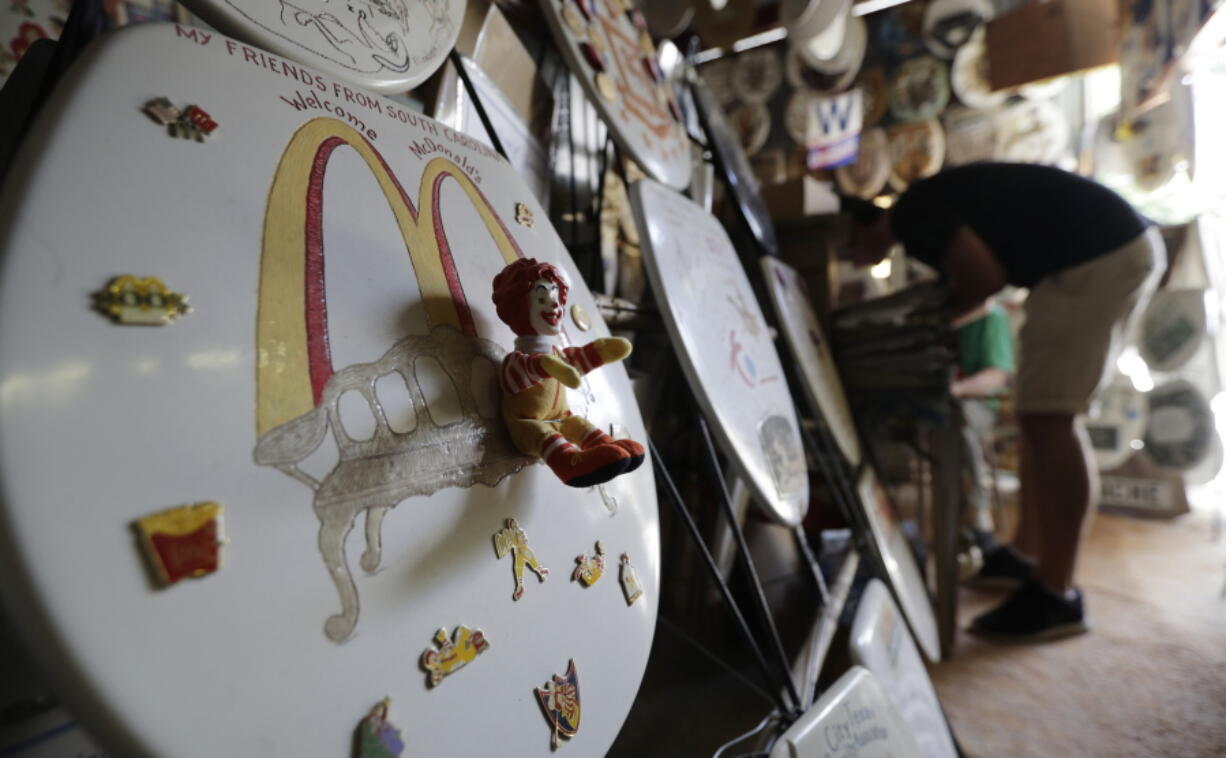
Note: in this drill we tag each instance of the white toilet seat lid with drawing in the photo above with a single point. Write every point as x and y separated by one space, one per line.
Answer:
370 379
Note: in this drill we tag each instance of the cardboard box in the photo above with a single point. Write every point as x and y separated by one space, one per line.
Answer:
1045 38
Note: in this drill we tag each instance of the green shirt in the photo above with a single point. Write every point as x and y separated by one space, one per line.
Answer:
986 343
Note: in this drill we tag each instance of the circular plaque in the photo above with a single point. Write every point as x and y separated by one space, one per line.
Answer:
950 24
969 76
920 89
752 124
757 74
816 28
738 174
1181 427
1173 328
970 135
607 47
334 391
916 151
868 176
724 346
876 94
388 47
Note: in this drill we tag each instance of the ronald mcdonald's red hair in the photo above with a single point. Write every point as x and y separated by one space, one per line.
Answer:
511 288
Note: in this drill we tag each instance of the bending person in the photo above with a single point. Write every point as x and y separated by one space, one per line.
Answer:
1090 262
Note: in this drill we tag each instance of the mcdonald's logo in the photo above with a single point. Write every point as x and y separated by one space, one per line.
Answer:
293 357
298 391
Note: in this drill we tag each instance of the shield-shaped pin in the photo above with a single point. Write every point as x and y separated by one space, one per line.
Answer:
559 699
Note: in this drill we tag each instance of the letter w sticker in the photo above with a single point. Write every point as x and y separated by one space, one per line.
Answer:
832 119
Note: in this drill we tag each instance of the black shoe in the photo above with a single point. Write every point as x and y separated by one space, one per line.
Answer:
1003 568
1033 613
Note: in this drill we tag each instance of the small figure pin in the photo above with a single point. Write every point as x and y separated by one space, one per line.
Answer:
161 110
523 215
452 654
377 737
589 568
182 542
511 539
559 698
130 300
192 122
630 580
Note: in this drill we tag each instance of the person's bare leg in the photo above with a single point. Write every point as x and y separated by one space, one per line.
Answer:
1027 540
1064 486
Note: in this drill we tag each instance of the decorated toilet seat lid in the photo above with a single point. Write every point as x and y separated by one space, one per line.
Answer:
724 347
607 47
298 491
385 46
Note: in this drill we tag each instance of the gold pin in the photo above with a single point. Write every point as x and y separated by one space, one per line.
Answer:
129 300
511 539
589 568
378 737
580 317
630 580
524 215
559 699
183 542
608 90
452 654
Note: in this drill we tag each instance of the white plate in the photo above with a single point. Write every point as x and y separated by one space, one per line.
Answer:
899 563
103 424
1181 429
811 349
1116 423
852 719
385 46
638 108
917 151
724 346
1173 327
880 643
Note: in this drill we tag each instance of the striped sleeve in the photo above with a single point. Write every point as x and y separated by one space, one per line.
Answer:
586 359
521 371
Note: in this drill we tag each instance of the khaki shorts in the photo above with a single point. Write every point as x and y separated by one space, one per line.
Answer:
1078 320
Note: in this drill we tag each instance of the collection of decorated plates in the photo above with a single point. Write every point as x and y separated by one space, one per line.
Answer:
268 464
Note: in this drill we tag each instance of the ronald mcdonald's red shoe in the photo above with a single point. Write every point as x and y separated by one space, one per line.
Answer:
634 450
584 468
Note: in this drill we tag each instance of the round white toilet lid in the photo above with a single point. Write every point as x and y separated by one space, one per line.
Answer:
811 350
900 567
384 46
724 346
612 58
103 423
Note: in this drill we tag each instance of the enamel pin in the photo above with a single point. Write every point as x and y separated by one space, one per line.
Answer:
511 539
377 737
452 654
630 580
589 568
182 542
192 122
524 216
559 698
129 300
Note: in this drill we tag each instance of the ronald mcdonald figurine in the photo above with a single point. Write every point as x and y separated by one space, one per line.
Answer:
530 297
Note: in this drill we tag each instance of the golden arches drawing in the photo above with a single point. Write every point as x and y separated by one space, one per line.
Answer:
293 357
